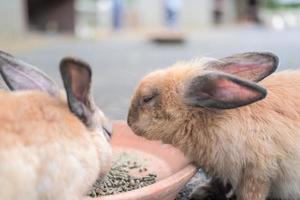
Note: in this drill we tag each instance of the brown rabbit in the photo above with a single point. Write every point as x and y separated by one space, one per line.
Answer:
226 123
50 147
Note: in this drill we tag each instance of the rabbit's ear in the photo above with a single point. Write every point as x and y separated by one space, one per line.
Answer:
77 77
221 91
253 66
19 75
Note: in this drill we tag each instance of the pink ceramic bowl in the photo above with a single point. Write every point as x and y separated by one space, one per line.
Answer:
172 168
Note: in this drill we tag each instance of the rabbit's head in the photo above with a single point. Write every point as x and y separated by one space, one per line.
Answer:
167 100
77 78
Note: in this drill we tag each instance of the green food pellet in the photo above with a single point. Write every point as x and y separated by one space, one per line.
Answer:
119 180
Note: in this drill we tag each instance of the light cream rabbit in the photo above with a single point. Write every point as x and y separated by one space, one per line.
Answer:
50 147
226 123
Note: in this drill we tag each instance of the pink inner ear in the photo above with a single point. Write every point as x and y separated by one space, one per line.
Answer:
249 71
228 91
80 84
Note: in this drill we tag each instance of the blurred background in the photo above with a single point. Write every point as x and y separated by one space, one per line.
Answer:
125 39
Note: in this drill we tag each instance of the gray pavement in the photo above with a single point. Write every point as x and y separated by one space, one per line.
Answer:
119 63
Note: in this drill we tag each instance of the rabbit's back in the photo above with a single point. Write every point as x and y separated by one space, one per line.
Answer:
35 118
44 149
280 110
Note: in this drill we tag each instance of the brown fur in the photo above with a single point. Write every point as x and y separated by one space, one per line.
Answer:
47 150
256 147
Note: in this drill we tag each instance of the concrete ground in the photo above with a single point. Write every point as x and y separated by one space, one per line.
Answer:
119 62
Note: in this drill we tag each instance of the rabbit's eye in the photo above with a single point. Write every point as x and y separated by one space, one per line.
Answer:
147 99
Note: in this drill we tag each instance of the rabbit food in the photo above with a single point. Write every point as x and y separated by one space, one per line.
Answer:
120 180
